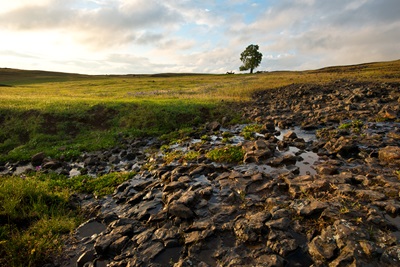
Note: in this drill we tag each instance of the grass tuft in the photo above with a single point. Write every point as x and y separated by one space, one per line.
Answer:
33 216
230 154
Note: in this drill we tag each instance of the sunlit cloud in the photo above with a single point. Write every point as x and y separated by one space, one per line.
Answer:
152 36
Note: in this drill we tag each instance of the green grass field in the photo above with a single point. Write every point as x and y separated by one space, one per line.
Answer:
50 111
64 114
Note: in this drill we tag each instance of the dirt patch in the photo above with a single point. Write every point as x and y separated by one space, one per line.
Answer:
100 116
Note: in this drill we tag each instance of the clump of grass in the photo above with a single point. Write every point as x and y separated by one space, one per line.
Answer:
32 217
98 186
249 131
205 138
231 154
192 155
173 155
354 125
35 212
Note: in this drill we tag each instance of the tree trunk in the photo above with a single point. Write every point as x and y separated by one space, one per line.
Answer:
251 70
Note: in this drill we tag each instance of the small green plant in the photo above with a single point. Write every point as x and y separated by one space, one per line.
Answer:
345 126
227 134
357 124
249 131
242 195
98 186
231 154
191 155
205 138
226 140
354 125
173 155
164 147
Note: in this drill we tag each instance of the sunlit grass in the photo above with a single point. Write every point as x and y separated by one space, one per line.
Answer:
36 211
65 109
212 88
32 217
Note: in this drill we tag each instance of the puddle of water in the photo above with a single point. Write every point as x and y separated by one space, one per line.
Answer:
306 165
91 228
157 208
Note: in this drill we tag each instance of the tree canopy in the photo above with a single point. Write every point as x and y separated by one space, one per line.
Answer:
251 58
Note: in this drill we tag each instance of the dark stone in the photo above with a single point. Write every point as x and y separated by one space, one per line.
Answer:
315 207
37 159
117 246
152 251
51 165
181 211
86 257
103 243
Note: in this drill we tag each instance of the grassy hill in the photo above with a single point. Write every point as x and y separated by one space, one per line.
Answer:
63 114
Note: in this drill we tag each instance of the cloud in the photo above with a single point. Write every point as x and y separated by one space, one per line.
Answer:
147 36
315 33
120 23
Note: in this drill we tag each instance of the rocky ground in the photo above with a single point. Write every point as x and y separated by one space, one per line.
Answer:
321 191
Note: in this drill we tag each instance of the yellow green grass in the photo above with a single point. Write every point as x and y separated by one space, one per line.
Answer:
36 212
64 114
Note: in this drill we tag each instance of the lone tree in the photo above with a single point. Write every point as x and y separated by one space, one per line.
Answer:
251 58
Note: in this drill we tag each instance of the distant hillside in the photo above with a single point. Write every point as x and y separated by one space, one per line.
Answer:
10 77
385 65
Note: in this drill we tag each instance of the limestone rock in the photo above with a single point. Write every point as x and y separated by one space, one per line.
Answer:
180 210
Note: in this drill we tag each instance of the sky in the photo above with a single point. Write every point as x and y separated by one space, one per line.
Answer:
200 36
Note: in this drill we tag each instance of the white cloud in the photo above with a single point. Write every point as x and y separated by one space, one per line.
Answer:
147 36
